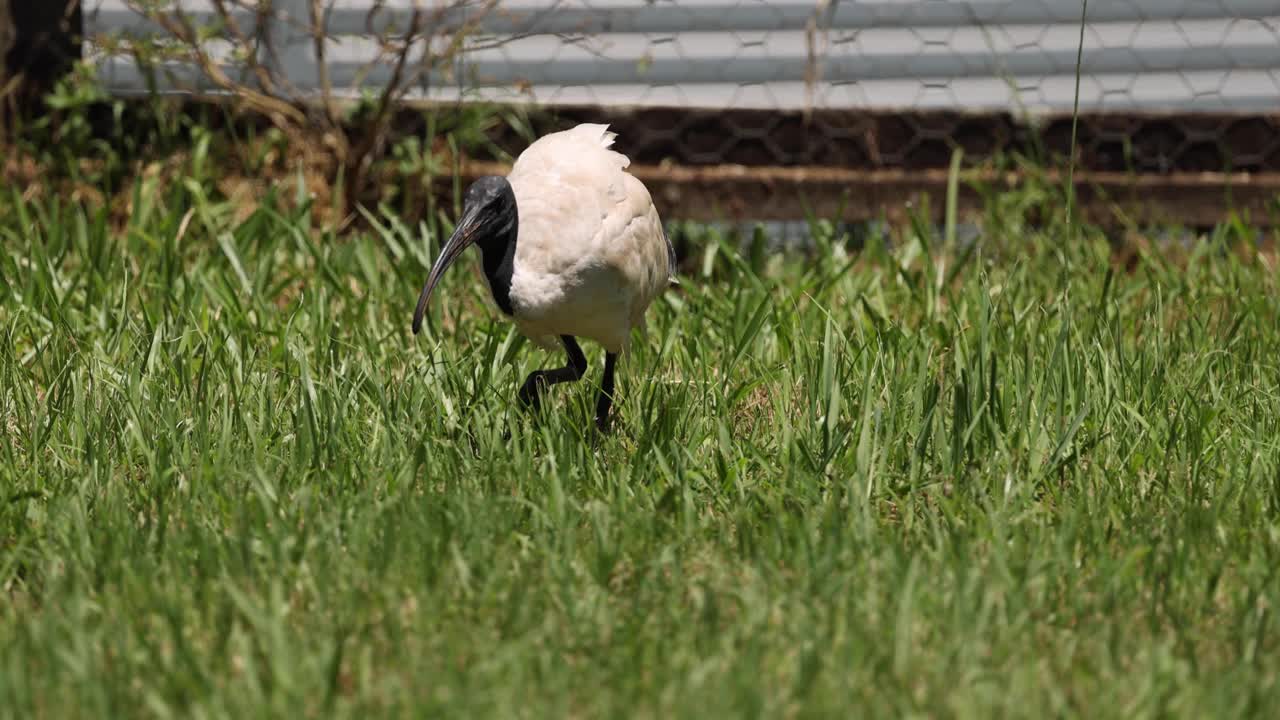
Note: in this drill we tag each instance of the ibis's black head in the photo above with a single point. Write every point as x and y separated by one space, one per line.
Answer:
488 220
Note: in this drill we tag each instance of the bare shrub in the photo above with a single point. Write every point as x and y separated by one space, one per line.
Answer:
248 52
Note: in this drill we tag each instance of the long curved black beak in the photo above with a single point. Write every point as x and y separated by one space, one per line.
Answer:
462 238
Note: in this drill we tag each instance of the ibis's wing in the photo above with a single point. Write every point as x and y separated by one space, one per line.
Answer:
635 244
590 241
573 197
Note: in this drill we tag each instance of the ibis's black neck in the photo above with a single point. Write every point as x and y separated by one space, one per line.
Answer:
499 258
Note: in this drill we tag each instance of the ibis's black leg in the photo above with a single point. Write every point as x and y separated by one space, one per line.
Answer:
538 380
605 400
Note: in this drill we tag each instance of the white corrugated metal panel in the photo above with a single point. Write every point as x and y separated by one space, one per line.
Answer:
1139 55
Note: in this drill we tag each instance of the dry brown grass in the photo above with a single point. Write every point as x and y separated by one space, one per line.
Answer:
243 171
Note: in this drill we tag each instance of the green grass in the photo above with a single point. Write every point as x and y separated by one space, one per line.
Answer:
1006 482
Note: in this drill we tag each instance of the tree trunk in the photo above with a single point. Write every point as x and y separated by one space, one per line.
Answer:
7 34
39 42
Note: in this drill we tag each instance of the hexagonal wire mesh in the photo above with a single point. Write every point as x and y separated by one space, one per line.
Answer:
1165 86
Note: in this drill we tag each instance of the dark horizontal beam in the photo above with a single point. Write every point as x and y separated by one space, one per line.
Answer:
1118 142
733 192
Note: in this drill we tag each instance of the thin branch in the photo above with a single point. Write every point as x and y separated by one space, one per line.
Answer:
319 37
825 10
267 104
264 74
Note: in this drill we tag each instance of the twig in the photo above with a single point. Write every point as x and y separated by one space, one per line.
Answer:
813 68
269 105
241 40
320 38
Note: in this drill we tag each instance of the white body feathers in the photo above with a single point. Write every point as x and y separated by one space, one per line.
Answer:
591 254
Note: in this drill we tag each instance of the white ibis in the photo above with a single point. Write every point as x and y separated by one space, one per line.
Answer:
571 247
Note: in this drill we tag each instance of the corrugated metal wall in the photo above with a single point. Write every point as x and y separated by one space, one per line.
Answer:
1184 56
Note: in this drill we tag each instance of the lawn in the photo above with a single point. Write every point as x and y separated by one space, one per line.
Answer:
1014 478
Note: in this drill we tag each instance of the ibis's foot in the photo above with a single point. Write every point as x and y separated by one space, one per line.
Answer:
605 400
531 392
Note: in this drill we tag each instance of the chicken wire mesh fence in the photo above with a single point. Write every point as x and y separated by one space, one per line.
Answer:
873 95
